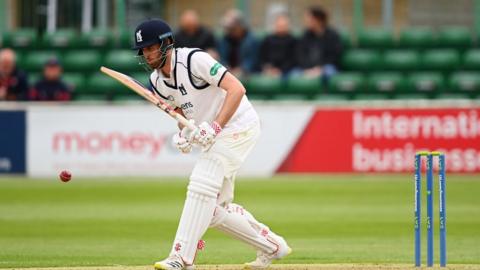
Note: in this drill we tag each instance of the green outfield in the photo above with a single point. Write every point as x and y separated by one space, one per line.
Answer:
327 219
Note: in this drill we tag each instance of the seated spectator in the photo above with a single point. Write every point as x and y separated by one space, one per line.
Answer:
193 35
238 48
276 48
51 87
13 81
320 48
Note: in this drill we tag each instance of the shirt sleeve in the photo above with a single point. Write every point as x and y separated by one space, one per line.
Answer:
203 66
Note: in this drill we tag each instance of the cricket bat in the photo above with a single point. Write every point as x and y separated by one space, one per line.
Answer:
141 90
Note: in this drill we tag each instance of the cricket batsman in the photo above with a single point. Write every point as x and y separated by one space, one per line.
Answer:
203 91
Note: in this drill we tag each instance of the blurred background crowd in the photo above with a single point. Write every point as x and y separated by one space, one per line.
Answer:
285 49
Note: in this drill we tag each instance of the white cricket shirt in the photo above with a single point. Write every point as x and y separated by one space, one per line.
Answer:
193 86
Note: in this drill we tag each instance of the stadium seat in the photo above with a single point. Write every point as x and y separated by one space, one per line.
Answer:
346 82
458 37
417 38
265 85
64 38
401 60
123 61
465 82
441 60
330 97
76 81
371 97
345 36
301 85
471 60
21 38
425 82
362 60
386 82
35 60
125 39
98 39
82 61
377 38
103 86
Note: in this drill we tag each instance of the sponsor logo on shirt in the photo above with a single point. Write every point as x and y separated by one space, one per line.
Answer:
214 69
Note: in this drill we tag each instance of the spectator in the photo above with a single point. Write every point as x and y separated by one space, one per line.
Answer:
13 81
276 48
238 48
193 35
51 87
320 48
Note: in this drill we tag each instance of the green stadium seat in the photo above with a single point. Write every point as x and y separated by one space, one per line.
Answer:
401 60
417 38
123 61
471 60
441 60
452 96
98 38
35 60
371 97
386 82
21 38
125 39
34 77
260 84
455 37
362 60
76 81
330 97
411 96
103 86
63 38
82 61
346 39
376 38
289 97
346 82
302 85
465 82
425 82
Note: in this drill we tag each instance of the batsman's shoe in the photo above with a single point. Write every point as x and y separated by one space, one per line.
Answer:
173 262
264 259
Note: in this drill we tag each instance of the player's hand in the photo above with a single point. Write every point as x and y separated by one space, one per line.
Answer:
183 140
206 133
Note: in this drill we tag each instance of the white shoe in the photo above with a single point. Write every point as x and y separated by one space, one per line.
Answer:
264 259
173 262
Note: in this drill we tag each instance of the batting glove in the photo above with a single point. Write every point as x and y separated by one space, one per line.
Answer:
206 133
183 140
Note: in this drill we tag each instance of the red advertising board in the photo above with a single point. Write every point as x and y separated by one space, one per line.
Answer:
385 140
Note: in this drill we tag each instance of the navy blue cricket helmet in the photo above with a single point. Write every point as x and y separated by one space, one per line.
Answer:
153 31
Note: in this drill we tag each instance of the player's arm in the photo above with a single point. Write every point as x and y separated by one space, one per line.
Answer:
235 92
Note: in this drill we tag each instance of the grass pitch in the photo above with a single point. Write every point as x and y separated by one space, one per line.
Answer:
330 221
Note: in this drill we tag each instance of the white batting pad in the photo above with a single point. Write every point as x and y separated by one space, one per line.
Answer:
240 224
205 183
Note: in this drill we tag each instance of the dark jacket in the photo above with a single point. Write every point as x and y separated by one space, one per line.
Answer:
318 50
45 90
279 52
239 53
16 84
202 39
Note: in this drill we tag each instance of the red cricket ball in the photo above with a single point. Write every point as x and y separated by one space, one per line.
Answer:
65 176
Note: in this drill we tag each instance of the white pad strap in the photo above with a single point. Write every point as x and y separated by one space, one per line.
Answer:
205 183
240 224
